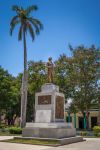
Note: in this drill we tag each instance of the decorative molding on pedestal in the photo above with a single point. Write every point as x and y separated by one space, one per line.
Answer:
49 87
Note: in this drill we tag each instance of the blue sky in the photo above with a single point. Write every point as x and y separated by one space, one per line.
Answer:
65 21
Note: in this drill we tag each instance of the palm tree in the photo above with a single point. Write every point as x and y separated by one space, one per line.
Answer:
33 26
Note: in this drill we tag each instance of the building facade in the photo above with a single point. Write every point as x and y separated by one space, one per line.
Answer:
79 121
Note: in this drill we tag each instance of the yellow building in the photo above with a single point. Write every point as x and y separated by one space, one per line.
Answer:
79 121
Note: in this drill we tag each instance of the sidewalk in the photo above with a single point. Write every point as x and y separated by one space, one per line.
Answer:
89 144
15 146
5 137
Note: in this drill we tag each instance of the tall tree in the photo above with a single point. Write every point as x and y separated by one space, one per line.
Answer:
61 75
78 76
9 94
84 77
27 23
5 84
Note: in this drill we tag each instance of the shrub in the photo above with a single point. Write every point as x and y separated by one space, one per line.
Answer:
96 130
83 133
2 126
15 130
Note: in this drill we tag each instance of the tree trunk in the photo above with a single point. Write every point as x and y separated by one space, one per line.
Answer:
33 112
99 116
87 120
0 117
24 86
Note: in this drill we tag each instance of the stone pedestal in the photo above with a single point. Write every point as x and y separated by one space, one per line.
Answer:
49 115
49 104
49 130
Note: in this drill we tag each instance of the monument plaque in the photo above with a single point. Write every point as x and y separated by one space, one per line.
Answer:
45 99
59 114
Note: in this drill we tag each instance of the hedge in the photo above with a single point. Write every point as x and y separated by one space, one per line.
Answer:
15 130
96 130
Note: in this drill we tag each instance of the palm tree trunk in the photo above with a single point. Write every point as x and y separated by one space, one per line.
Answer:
24 85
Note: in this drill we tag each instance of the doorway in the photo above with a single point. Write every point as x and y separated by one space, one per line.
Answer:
81 122
93 121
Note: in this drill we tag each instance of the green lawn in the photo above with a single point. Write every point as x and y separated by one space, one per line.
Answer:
6 133
34 141
91 136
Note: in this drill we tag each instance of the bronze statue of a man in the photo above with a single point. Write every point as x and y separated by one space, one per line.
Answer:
50 69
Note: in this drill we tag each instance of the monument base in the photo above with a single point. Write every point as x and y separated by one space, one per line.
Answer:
62 141
50 118
49 130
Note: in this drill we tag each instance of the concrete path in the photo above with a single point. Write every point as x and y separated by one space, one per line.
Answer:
89 144
14 146
5 137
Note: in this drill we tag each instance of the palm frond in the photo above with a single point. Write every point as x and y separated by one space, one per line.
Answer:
37 29
12 26
26 22
38 23
31 31
16 8
20 33
30 9
14 19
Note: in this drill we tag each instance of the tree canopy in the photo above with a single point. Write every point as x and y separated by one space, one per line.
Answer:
77 77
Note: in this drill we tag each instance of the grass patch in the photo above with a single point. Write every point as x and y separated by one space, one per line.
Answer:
6 133
34 141
91 137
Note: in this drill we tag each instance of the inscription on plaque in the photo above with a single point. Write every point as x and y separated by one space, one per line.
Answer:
44 100
59 114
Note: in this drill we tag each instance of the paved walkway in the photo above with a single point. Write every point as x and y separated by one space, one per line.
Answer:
5 137
89 144
14 146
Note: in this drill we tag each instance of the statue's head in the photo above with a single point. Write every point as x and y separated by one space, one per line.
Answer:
50 58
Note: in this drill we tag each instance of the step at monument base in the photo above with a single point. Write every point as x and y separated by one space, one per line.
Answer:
49 131
61 141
